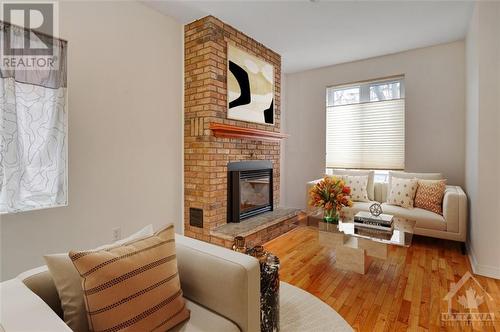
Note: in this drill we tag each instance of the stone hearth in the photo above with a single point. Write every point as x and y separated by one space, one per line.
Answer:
259 229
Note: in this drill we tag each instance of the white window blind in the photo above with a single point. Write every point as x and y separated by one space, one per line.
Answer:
366 125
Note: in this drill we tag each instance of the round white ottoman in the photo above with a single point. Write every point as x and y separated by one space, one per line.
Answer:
301 311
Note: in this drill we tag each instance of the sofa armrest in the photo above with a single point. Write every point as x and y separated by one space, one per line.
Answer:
221 280
455 211
23 310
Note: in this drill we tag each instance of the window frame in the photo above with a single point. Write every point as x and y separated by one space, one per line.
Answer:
364 88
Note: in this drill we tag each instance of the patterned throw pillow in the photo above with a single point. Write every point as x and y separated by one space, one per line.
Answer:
69 286
133 287
430 195
358 185
402 192
352 172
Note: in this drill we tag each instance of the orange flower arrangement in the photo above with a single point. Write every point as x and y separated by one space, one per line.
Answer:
331 194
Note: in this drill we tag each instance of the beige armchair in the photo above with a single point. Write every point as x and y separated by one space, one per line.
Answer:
221 287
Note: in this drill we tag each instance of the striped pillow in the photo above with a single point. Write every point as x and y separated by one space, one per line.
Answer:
133 287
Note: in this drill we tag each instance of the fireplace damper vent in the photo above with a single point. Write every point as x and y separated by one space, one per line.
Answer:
250 189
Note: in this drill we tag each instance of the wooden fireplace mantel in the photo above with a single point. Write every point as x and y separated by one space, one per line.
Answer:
229 131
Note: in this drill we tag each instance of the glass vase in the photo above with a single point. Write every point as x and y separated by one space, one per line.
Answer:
239 244
331 216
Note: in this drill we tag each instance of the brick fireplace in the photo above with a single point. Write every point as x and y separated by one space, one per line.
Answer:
206 156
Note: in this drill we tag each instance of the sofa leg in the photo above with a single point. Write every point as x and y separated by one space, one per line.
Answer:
463 249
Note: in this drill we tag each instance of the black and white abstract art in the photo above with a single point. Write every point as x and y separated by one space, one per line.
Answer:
250 87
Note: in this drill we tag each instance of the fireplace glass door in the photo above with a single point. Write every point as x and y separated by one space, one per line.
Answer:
254 193
250 189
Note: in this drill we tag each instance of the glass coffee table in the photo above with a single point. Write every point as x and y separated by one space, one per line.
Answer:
355 247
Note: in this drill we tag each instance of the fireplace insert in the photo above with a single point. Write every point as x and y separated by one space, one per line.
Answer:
250 189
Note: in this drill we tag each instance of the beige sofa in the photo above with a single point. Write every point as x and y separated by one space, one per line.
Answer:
452 225
221 288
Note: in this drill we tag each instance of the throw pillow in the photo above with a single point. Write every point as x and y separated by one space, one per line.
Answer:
430 194
68 284
371 175
133 287
358 185
402 192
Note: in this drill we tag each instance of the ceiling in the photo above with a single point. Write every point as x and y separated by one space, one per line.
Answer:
312 34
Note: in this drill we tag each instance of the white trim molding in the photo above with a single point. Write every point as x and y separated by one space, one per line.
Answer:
484 270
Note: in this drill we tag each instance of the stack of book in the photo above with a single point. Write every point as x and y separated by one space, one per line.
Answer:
367 221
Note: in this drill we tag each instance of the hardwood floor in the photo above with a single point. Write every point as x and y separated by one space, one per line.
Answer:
402 293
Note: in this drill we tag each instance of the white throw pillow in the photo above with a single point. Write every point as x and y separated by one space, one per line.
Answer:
402 192
68 282
358 185
370 188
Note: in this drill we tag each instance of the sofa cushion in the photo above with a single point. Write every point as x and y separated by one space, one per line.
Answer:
381 189
371 176
349 212
430 194
134 287
402 192
358 185
203 319
423 218
68 284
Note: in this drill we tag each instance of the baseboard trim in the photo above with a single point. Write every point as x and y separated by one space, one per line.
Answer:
484 270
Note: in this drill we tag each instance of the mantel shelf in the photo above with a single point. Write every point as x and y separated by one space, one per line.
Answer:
228 131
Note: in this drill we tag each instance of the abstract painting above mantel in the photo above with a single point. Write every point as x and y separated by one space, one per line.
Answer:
250 87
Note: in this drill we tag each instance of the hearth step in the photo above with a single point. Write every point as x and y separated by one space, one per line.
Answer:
259 229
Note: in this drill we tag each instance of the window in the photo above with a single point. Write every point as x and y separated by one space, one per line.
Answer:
365 125
345 96
385 91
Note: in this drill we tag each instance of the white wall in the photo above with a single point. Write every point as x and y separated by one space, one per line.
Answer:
435 113
125 139
282 146
472 122
483 138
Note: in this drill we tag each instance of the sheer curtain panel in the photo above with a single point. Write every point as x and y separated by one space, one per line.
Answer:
33 123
